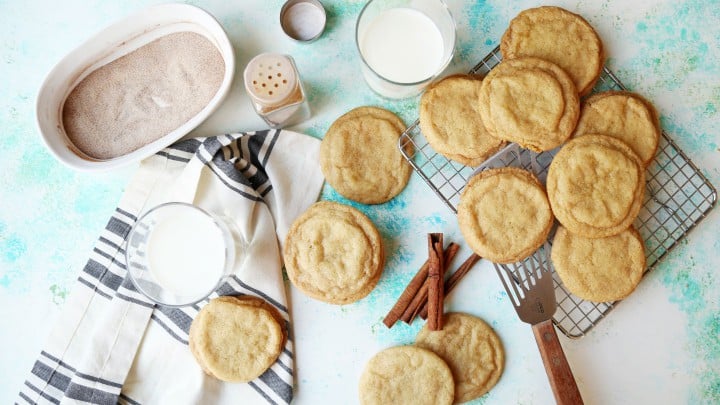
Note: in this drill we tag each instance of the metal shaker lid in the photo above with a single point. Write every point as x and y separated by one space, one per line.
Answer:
270 78
303 20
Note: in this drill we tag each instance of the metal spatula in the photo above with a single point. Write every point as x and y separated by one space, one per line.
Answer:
530 288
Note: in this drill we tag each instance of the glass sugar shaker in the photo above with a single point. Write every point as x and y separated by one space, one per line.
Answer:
274 86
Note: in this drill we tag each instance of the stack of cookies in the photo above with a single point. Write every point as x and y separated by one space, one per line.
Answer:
559 37
529 101
551 58
459 363
596 182
596 185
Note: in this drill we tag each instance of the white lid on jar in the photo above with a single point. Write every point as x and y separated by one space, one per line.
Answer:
270 78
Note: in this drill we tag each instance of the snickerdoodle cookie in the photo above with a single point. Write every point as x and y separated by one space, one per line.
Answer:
529 101
334 253
471 349
596 185
406 375
451 122
360 158
237 339
623 115
504 214
558 36
601 269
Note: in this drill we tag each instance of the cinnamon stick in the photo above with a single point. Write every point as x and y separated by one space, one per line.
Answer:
406 297
436 272
412 310
421 297
453 280
412 289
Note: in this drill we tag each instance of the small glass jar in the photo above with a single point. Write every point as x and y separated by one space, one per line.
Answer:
273 84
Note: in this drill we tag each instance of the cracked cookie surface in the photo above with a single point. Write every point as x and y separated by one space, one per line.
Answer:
451 122
559 36
237 339
504 214
529 101
334 253
623 115
600 269
406 375
596 186
471 349
359 156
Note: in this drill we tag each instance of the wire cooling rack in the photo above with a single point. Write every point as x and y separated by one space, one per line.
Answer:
678 197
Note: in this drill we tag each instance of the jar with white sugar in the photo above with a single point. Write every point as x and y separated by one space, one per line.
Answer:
273 84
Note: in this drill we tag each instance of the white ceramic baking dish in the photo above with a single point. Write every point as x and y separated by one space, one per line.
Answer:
112 43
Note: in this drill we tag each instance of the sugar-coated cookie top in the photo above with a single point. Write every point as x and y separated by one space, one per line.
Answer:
471 349
504 214
529 101
236 339
600 269
596 184
559 36
334 253
406 375
451 122
360 158
623 115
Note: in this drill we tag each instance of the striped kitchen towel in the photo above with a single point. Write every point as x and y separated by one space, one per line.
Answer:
112 345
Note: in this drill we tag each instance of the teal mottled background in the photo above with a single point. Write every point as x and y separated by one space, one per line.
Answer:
661 345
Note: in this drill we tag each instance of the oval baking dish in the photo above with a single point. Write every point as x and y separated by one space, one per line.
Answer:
110 44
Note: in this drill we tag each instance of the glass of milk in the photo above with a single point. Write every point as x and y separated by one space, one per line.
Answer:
178 254
404 44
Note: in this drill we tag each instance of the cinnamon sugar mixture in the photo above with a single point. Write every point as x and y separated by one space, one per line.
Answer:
142 96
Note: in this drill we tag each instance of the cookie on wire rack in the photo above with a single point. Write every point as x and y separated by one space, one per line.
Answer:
600 269
623 115
596 185
451 122
504 214
558 36
529 101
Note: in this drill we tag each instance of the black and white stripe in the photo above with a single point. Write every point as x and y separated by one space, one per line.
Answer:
125 400
242 287
256 150
210 154
51 380
239 161
182 151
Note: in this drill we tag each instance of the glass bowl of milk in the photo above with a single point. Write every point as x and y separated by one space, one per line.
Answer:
178 254
404 44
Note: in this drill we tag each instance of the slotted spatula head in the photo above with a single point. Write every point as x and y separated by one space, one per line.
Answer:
529 284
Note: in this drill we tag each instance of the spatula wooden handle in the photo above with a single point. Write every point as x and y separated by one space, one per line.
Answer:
556 365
